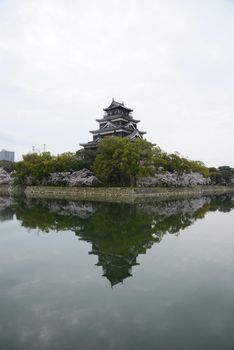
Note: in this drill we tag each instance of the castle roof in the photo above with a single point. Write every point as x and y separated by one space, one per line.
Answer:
114 105
116 117
114 128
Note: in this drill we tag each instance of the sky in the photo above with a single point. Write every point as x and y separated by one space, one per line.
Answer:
171 61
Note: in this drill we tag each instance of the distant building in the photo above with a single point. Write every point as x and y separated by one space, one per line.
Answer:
7 155
116 122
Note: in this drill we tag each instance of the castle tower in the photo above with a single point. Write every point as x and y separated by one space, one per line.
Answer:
116 122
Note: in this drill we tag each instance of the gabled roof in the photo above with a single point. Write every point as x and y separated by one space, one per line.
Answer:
136 133
115 117
114 104
114 128
90 144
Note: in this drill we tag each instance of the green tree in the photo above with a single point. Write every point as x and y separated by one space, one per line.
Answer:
173 162
223 175
36 166
120 160
84 158
64 162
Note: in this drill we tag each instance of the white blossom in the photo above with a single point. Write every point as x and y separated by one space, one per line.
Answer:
173 180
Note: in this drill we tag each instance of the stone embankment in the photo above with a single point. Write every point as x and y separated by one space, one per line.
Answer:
116 194
123 194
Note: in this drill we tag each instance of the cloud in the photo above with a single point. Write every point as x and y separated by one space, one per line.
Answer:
173 62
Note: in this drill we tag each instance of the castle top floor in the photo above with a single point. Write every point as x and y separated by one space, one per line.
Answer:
117 108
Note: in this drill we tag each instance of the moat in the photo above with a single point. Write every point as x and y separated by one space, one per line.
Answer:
91 275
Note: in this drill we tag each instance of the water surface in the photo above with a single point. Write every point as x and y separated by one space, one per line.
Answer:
78 275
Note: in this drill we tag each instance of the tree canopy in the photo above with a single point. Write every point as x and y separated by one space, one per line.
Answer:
38 166
173 162
120 160
116 162
223 175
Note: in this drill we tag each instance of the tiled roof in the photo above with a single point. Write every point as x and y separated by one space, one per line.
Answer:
99 131
113 117
114 104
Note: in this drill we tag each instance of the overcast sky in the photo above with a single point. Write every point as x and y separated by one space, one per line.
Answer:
172 61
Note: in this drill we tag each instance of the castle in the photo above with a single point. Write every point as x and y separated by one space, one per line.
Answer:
116 122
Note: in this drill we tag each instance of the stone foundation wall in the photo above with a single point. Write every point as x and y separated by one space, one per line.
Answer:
116 194
113 194
124 194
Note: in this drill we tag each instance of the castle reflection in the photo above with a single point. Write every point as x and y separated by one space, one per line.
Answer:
118 233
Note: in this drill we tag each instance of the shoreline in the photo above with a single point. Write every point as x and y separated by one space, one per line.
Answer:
115 194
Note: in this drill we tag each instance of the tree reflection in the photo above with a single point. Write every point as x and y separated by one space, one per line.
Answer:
6 210
118 233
